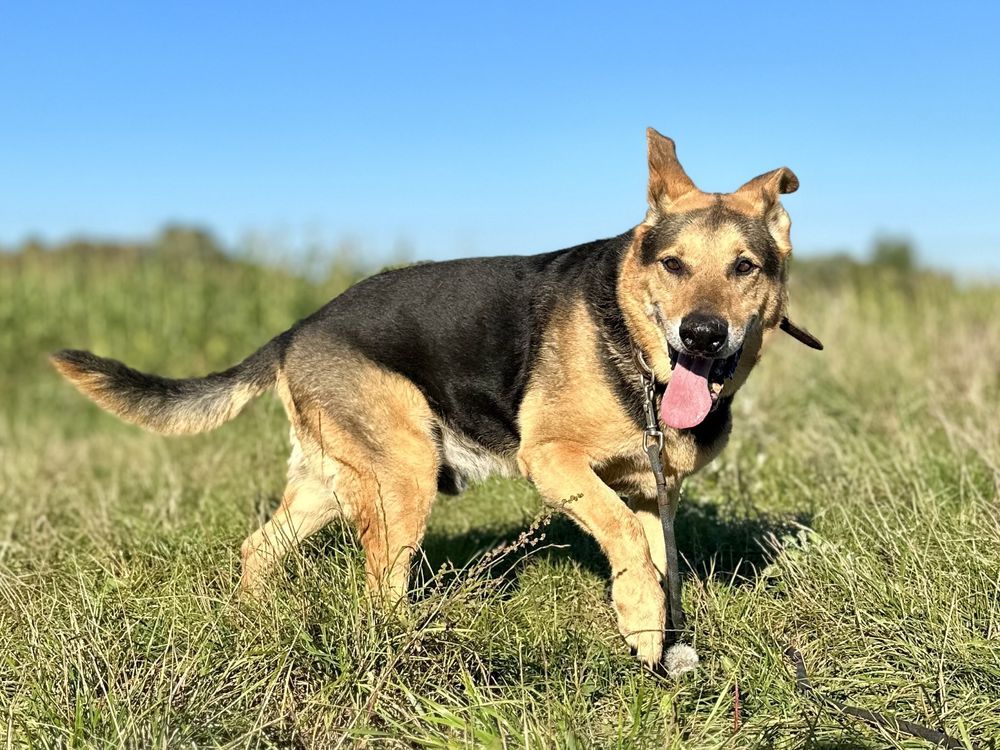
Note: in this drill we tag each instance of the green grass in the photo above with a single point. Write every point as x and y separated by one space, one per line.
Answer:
854 515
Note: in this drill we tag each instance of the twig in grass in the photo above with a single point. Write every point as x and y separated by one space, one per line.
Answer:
871 717
737 707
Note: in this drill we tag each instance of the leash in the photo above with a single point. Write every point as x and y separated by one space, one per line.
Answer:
652 443
871 717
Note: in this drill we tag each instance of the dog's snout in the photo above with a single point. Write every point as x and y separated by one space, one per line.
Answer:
703 334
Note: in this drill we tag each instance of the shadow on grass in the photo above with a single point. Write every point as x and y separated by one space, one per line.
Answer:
563 540
713 542
710 544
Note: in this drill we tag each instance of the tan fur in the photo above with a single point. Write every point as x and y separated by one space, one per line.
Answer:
577 446
185 419
668 183
363 449
571 424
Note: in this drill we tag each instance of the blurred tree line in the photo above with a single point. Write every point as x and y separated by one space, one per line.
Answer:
189 251
180 244
891 261
183 244
182 291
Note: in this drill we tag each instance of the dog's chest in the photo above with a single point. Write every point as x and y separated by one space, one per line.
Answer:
684 453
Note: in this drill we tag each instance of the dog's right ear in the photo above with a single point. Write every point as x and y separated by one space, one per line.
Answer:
667 179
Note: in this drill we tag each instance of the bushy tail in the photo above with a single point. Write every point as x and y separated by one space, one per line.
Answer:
173 407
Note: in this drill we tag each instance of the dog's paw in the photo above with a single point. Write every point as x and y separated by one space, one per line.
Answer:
641 610
253 589
256 582
647 647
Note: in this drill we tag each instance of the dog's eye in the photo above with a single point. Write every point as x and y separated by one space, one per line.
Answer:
744 266
673 265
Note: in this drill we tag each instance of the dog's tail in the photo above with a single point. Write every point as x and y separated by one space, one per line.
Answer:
172 407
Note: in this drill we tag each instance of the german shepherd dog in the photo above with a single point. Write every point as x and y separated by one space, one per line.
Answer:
425 378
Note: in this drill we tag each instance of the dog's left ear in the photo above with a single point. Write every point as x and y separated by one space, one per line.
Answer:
800 334
768 185
763 192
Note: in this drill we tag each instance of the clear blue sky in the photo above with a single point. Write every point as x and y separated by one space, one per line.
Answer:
481 128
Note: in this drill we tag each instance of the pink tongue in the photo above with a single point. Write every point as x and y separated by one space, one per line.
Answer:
687 400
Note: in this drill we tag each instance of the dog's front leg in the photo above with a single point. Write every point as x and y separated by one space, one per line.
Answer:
564 476
647 511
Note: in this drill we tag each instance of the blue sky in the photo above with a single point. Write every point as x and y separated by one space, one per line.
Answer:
482 128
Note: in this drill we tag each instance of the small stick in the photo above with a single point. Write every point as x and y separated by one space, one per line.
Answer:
871 717
737 707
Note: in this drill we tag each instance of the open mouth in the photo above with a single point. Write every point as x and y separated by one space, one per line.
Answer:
694 387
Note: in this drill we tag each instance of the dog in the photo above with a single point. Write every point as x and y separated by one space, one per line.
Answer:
425 378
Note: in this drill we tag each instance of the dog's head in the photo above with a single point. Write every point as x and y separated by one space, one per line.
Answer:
704 278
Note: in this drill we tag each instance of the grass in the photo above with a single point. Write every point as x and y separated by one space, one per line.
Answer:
854 515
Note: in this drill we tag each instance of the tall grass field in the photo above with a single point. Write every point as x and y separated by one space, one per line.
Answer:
854 516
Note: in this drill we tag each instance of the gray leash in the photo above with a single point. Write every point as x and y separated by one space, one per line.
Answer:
652 442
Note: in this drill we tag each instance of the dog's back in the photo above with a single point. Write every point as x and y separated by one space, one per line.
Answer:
465 332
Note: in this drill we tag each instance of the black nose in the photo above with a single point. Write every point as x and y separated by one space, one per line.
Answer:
703 334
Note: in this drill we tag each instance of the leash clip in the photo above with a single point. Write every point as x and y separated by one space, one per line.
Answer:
652 437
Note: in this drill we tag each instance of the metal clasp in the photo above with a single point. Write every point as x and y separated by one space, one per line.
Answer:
652 435
649 436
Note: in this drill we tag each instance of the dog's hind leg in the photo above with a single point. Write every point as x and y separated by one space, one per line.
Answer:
306 507
391 514
370 433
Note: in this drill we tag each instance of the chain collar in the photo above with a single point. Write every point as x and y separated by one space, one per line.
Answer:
652 434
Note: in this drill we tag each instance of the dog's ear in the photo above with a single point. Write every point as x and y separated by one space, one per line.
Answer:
667 179
800 334
762 192
766 187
